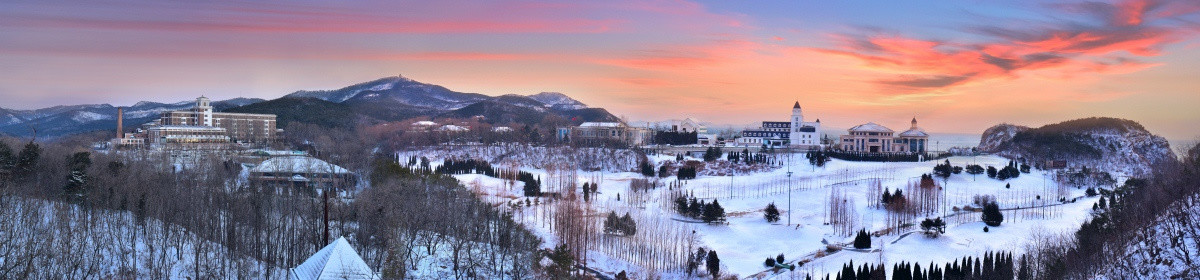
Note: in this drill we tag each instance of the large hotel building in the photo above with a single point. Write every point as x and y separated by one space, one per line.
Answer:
250 128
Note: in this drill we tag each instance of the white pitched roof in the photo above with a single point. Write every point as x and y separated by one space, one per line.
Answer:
424 123
298 164
338 260
870 127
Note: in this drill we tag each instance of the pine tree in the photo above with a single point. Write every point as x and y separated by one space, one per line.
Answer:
713 263
862 240
771 213
26 161
992 215
628 226
77 178
713 212
7 158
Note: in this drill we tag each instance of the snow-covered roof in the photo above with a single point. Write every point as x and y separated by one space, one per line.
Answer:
451 127
338 260
424 123
600 124
870 127
915 132
502 129
297 164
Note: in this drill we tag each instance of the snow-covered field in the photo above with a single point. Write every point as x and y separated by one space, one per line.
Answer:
747 239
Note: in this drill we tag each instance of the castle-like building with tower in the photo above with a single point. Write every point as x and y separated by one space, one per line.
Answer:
794 133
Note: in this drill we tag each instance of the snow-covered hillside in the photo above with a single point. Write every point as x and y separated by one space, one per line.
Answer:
1031 202
1104 143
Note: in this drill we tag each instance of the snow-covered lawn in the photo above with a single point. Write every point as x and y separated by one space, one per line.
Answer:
747 239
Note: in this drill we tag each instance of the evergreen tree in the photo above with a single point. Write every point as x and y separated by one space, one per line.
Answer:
887 197
627 225
779 258
681 205
77 178
7 158
771 213
933 227
562 262
991 172
974 169
943 170
992 215
713 212
713 263
862 240
26 161
622 276
647 169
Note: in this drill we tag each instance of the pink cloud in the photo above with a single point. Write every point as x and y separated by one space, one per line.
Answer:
1132 28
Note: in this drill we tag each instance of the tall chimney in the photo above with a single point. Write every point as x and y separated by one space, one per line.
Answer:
120 122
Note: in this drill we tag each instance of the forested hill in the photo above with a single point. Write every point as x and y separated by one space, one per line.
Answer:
399 98
1107 143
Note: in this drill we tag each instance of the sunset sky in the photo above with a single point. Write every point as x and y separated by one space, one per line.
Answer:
958 66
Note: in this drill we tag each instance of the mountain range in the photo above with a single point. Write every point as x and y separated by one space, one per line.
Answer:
382 100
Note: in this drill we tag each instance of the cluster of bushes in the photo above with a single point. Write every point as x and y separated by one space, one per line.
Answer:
686 173
933 227
817 158
770 262
745 156
648 169
533 187
944 170
619 225
698 209
468 166
1009 171
675 138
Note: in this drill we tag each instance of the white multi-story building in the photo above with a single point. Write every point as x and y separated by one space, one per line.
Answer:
795 132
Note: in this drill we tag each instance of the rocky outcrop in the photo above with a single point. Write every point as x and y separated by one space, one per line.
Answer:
1111 144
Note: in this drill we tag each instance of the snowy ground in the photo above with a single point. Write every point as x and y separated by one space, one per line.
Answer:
747 239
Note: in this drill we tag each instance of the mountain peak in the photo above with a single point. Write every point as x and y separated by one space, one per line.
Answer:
557 100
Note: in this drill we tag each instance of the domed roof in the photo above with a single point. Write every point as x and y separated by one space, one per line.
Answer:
915 132
870 127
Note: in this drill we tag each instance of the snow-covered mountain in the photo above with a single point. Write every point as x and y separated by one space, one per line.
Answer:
558 101
401 89
413 93
398 98
1106 143
72 119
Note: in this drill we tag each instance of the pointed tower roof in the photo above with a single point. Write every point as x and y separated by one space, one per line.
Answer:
338 260
797 106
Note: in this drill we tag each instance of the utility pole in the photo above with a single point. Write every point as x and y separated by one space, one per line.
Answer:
789 178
